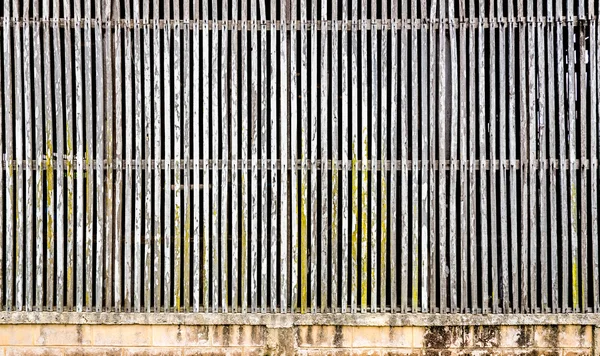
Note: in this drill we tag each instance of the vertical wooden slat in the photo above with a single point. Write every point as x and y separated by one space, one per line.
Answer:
283 223
264 282
354 151
393 154
205 157
148 196
572 140
594 69
214 212
99 166
253 105
69 124
118 170
5 46
177 121
158 206
424 204
129 156
60 175
531 152
196 286
431 149
453 270
187 202
294 155
313 158
564 237
512 160
594 49
168 33
503 166
442 119
29 174
345 108
414 75
550 33
244 177
404 134
493 167
364 137
541 129
234 161
584 161
325 219
463 160
334 156
16 171
89 157
303 159
8 157
225 163
109 151
384 175
374 49
481 73
472 173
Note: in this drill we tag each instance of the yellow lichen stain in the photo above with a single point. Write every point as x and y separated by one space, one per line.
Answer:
304 248
334 203
354 209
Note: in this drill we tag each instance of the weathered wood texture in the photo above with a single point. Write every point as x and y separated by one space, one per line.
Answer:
299 156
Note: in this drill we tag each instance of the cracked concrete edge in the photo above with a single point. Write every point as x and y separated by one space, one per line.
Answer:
289 320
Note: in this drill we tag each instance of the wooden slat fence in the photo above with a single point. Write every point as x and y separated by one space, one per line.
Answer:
308 156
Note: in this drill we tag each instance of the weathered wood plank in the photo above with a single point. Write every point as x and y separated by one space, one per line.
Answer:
393 155
463 160
404 188
14 207
443 63
364 150
214 166
225 217
118 172
158 189
60 157
167 279
384 178
594 50
244 174
483 210
454 136
99 157
264 123
303 160
325 227
283 223
583 156
354 152
89 157
177 155
294 155
424 203
472 174
206 216
573 184
254 114
129 157
414 76
345 165
493 156
5 46
313 159
374 49
335 156
564 237
550 33
29 196
148 196
69 124
432 177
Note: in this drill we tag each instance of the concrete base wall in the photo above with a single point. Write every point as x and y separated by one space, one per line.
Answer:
54 339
